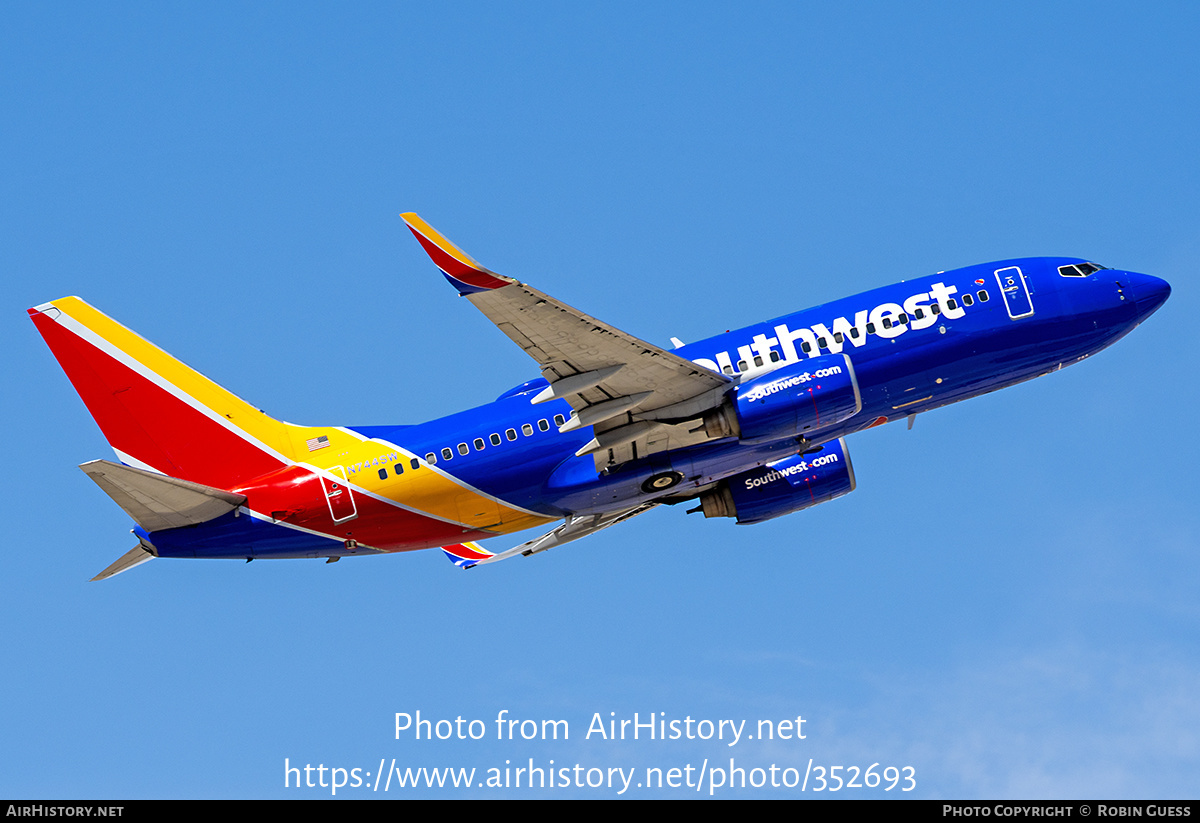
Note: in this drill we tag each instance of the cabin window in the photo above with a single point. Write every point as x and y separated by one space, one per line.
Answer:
741 365
758 361
495 438
806 347
968 300
838 337
511 434
398 469
919 314
952 304
559 420
774 356
383 474
871 327
854 333
479 444
416 463
447 453
822 343
728 369
462 448
983 295
887 322
901 319
544 425
527 429
431 459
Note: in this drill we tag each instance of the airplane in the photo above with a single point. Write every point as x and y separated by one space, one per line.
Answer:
749 424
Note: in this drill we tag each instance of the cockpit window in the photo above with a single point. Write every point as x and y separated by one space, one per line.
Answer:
1079 270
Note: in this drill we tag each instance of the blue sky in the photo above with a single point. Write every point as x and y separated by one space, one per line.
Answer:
1007 603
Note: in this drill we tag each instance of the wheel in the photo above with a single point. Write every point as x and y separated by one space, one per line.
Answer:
661 482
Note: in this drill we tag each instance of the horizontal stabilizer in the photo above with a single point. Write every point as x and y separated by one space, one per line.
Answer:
156 501
134 557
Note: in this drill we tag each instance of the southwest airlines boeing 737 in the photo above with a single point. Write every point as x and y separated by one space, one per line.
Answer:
750 424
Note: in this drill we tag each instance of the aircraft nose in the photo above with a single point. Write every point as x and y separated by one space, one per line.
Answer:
1149 293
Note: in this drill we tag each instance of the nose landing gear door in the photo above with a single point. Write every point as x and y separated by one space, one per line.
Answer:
1016 292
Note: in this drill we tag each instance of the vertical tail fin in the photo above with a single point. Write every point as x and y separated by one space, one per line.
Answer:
154 411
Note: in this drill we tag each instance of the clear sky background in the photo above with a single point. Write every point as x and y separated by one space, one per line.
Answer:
1008 602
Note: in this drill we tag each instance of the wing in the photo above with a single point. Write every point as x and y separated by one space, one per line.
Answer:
469 555
635 395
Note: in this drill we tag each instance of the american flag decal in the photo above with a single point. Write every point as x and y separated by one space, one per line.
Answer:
315 443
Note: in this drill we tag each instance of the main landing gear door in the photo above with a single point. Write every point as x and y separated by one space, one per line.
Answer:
1016 292
338 495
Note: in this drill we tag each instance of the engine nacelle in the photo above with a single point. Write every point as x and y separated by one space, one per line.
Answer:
793 401
785 486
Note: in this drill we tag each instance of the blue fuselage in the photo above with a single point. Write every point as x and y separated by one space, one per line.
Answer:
914 346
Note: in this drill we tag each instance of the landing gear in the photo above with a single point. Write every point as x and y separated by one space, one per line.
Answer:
661 482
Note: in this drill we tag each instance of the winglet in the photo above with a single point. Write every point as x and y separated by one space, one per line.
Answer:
463 273
466 555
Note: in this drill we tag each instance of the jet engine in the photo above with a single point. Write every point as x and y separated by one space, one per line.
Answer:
785 486
792 401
